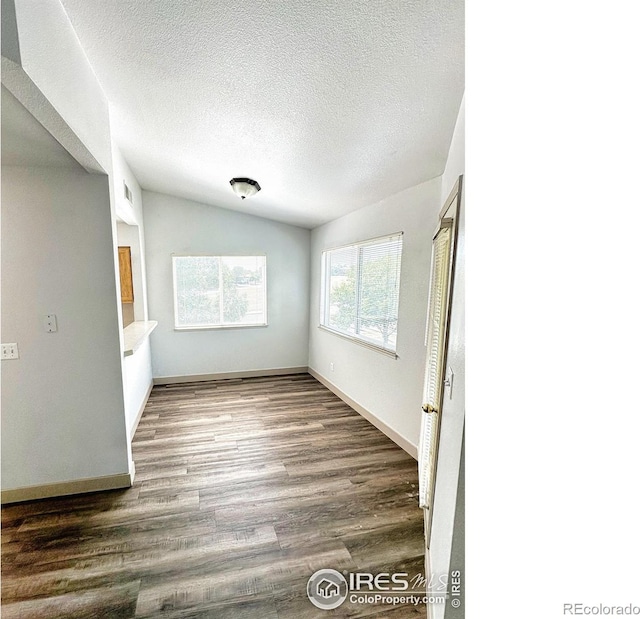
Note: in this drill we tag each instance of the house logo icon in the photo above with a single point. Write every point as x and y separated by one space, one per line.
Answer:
327 589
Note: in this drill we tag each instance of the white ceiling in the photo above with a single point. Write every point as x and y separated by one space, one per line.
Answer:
330 105
25 142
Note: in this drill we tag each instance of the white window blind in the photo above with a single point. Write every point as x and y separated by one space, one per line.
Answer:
219 291
361 284
437 309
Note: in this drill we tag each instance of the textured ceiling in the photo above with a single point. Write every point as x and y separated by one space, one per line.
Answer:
25 142
329 105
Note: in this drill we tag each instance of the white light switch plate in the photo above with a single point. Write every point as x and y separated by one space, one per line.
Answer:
10 351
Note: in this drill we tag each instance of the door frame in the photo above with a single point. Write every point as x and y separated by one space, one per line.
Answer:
450 210
453 200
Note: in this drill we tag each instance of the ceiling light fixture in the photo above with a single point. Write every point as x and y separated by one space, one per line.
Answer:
244 187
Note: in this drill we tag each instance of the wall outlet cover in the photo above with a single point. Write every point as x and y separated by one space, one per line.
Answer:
50 323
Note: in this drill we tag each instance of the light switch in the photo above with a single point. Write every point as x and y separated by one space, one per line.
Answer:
50 323
10 351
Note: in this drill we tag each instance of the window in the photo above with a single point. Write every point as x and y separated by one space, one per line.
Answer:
360 291
219 291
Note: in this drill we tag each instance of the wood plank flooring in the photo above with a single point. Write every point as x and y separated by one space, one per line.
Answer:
243 489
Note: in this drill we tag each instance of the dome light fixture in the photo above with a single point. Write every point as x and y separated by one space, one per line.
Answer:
244 187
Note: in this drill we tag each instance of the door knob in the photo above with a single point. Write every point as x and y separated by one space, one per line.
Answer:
427 408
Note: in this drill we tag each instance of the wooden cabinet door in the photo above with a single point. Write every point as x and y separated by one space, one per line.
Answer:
126 278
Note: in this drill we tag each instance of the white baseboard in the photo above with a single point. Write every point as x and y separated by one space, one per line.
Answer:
142 407
64 488
197 378
397 438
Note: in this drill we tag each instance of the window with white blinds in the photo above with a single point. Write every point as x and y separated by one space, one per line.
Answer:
361 284
437 309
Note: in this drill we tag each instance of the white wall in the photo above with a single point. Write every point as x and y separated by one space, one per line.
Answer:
455 160
453 409
137 367
175 225
57 84
62 400
390 389
51 55
131 235
138 381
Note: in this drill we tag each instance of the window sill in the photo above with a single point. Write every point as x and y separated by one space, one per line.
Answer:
355 340
136 333
218 327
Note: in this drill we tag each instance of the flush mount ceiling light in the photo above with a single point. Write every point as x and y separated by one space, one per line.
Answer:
245 187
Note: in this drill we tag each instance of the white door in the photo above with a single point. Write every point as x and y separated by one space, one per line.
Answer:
440 286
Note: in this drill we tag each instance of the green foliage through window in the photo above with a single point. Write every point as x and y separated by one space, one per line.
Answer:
361 290
200 299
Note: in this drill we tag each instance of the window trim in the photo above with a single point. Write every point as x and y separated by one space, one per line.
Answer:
372 240
360 341
253 325
324 299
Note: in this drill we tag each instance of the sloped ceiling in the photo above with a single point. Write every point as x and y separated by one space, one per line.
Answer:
329 105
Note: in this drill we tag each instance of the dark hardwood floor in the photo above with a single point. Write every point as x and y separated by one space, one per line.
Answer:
243 489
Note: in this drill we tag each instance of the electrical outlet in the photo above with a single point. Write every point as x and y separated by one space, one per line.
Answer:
10 351
331 366
50 323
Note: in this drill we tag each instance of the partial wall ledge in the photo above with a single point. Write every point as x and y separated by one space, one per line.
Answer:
65 488
136 333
